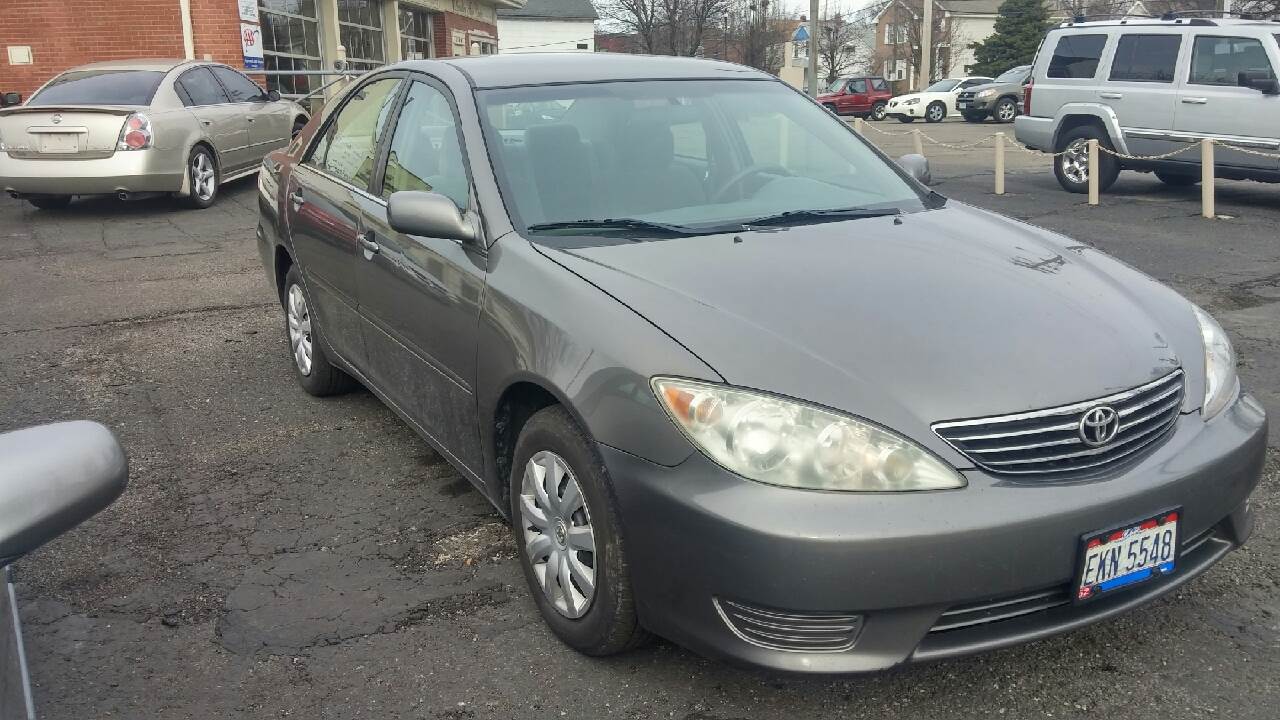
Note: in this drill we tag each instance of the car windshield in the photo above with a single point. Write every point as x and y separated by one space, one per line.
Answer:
943 86
100 87
1014 75
661 157
837 85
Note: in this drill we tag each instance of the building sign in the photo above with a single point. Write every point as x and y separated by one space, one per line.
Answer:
251 43
473 9
248 10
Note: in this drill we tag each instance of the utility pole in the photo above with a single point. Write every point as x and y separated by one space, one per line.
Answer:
926 45
813 48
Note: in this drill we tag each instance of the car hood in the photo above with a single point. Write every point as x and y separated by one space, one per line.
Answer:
937 315
998 87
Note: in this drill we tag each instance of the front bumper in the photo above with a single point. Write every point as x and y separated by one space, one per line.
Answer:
914 111
914 566
976 105
151 170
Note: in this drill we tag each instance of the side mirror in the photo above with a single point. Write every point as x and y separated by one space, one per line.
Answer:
273 95
10 99
52 478
917 166
1258 81
428 214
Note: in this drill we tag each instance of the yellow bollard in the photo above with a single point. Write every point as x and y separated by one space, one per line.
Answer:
915 139
857 125
1206 179
1093 172
999 163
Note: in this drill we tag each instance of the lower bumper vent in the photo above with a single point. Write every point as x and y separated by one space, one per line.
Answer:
790 630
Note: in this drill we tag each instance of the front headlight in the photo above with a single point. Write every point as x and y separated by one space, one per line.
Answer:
911 101
1221 385
784 442
986 93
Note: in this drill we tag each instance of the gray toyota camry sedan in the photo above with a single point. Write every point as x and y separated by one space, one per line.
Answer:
739 380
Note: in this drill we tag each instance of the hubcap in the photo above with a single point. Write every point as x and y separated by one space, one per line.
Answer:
1007 111
878 112
935 113
203 177
1075 161
558 538
300 330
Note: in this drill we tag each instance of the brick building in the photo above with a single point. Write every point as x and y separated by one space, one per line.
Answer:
41 38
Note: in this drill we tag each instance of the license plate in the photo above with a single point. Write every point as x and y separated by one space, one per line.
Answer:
60 143
962 103
1122 557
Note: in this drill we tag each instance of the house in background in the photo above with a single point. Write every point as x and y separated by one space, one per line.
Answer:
548 26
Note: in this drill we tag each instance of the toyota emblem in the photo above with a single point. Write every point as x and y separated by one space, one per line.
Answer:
1099 425
56 119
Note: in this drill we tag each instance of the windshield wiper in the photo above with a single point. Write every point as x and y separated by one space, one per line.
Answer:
621 224
801 216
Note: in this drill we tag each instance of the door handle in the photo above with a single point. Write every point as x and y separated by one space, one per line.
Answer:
1110 95
368 244
249 118
1195 100
206 123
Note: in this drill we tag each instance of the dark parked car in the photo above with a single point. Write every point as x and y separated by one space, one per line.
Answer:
52 478
1000 99
865 97
739 380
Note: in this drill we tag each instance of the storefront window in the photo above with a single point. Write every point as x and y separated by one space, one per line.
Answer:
415 34
483 43
290 41
360 31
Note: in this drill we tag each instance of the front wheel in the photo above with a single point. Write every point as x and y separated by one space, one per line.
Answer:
1071 166
203 178
566 526
935 113
1006 110
878 111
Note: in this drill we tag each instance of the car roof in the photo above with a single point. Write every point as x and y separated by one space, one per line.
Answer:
1171 23
492 71
162 65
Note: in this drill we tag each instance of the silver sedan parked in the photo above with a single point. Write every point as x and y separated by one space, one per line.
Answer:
144 126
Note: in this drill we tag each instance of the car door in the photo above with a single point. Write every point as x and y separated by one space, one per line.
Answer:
420 296
1213 104
207 101
1138 85
855 98
268 123
323 206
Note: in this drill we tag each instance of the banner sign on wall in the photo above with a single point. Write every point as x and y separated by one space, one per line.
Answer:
251 42
248 10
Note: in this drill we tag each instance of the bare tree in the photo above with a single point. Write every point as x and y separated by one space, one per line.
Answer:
842 43
759 31
664 27
642 18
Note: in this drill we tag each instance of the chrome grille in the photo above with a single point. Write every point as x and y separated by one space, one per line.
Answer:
790 630
1050 440
967 95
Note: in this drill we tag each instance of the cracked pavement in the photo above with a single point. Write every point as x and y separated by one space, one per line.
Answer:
280 555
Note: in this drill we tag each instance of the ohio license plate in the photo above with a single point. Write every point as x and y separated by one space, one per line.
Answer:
1118 558
59 142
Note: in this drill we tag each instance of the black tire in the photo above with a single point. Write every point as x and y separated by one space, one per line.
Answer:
1005 111
50 202
974 117
610 624
194 199
905 119
936 112
1177 179
878 111
1107 173
324 378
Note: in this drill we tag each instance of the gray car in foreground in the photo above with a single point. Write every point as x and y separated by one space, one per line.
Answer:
739 380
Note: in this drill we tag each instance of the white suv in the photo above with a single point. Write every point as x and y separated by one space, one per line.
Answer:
1145 87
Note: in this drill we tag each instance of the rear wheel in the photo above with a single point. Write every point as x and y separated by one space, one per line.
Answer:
1177 179
50 202
878 111
1072 166
1006 110
935 113
566 527
203 178
311 365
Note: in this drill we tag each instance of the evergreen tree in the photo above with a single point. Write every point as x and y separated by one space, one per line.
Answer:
1019 30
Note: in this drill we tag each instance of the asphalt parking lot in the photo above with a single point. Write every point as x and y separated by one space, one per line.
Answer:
279 555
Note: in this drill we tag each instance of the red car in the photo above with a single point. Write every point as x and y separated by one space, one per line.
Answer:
861 96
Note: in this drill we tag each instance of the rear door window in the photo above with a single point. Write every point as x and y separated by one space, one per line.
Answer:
100 87
1146 58
198 87
239 88
879 84
1221 60
1076 56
